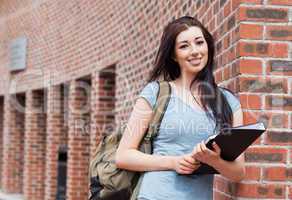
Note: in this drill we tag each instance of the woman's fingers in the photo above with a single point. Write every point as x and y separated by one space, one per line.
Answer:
186 164
190 160
216 148
198 149
203 147
206 150
186 170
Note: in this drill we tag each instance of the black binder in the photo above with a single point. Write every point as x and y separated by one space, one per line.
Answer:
232 142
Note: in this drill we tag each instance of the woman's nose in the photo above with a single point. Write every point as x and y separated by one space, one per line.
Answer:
194 49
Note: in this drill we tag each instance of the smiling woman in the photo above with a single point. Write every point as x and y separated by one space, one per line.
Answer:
191 51
197 109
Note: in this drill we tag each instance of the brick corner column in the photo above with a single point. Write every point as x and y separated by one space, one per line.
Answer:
13 134
1 137
94 125
102 105
78 142
35 146
260 75
55 137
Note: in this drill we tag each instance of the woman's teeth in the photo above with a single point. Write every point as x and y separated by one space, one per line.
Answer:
195 61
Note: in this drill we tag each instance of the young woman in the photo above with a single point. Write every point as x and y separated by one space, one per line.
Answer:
196 110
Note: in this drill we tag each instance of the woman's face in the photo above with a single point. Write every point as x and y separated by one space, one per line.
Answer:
191 50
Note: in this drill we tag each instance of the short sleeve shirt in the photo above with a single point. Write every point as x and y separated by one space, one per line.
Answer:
182 127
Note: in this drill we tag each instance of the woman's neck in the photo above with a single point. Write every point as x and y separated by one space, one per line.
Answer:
184 82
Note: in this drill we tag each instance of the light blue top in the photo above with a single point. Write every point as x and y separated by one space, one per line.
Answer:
182 127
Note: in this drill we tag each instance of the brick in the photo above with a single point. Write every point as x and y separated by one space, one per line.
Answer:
253 173
249 66
279 50
226 73
230 23
263 14
250 101
279 32
260 49
250 31
268 85
277 173
275 191
280 2
235 71
279 138
276 120
279 102
215 7
235 4
279 67
270 119
218 76
266 155
235 35
251 1
250 117
227 9
223 185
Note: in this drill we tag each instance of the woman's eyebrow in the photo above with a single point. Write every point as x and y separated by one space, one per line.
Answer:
186 41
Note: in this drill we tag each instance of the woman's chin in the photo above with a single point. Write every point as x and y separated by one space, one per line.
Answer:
195 69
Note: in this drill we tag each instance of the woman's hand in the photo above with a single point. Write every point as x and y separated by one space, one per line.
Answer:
205 155
185 164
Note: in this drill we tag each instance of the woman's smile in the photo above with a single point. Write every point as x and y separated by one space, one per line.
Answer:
194 61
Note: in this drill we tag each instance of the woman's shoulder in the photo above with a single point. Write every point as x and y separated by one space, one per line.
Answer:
231 98
152 85
227 92
151 88
149 92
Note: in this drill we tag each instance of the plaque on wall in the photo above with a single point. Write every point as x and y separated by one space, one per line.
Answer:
17 52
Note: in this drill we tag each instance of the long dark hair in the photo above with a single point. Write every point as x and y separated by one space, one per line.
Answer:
211 97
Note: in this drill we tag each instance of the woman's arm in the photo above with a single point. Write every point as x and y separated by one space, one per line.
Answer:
128 157
234 170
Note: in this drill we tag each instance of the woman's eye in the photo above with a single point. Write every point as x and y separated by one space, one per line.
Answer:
200 42
183 46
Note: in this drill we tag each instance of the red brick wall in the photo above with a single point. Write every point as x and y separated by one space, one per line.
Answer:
73 39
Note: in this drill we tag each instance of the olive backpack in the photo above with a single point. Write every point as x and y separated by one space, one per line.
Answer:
106 181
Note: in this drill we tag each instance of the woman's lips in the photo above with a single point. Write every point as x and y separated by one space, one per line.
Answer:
195 61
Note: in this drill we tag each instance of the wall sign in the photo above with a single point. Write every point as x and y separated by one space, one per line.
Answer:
18 48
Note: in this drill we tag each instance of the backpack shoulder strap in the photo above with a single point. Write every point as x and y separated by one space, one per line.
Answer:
160 107
162 101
